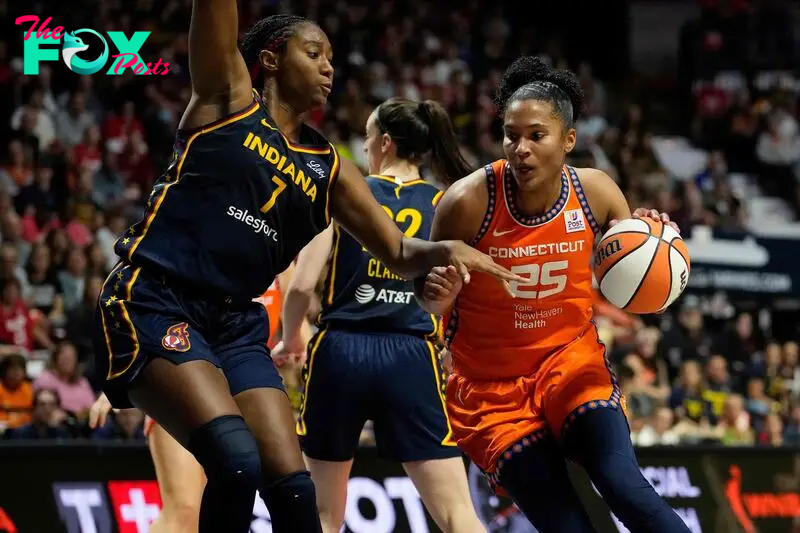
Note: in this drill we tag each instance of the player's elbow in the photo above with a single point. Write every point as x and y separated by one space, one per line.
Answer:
299 290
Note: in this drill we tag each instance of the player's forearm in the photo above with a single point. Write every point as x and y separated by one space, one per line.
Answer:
418 257
295 309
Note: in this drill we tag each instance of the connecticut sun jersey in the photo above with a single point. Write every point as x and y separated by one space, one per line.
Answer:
236 205
495 336
360 292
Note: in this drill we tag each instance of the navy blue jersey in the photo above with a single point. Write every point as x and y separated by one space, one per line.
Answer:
235 206
361 292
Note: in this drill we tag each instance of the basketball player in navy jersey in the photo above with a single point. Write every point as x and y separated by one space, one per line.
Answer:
249 185
375 356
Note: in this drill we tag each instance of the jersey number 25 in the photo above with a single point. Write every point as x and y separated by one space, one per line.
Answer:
545 280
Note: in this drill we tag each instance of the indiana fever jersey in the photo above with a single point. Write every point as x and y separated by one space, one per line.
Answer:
235 206
495 336
361 292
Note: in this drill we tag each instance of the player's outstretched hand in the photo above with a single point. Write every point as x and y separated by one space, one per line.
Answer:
643 212
465 258
98 414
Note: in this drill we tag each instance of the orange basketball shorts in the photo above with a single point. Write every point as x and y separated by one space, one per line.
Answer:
488 418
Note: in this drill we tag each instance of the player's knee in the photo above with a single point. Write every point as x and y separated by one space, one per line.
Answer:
228 452
292 503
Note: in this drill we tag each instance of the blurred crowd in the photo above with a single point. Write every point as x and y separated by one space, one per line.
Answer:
78 155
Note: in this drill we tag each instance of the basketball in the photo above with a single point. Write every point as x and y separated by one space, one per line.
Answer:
641 265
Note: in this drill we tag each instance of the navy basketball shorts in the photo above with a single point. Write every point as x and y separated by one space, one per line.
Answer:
141 316
395 380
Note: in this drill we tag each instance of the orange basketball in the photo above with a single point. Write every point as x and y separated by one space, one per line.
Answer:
641 265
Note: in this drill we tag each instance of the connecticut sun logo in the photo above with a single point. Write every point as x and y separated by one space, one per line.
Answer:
74 44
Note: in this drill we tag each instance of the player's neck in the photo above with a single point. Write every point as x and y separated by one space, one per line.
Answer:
401 171
288 121
539 200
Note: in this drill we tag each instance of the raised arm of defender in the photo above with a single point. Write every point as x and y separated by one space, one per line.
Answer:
220 80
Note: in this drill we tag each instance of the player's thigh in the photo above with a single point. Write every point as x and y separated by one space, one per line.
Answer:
442 484
330 479
337 398
488 418
181 479
582 381
535 477
412 424
152 356
182 398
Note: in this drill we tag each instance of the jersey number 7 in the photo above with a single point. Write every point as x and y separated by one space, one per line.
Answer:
551 277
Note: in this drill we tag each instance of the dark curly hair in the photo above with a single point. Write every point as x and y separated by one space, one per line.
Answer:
529 77
269 33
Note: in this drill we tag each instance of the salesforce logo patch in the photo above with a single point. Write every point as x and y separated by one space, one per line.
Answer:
365 294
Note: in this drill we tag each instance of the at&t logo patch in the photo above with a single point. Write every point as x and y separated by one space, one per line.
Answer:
365 294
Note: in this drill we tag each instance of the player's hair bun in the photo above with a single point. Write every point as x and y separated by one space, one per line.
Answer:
530 69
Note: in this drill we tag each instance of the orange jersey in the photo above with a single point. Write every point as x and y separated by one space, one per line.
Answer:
495 336
272 300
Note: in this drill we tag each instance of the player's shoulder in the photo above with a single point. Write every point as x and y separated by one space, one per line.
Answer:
594 180
471 191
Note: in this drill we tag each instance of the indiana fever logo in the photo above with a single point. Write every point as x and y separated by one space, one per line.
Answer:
749 506
177 338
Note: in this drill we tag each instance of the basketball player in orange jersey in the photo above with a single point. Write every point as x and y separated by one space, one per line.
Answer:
181 479
531 385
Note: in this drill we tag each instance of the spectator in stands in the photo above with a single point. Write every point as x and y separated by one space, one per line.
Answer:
790 369
658 432
18 325
79 319
44 293
38 196
771 434
687 396
34 108
739 344
686 339
640 404
734 425
16 392
12 234
66 378
72 122
791 435
759 405
127 424
767 366
73 278
650 371
47 421
718 384
17 171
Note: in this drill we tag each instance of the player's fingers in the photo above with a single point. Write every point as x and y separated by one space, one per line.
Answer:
435 292
639 212
664 217
655 215
463 271
674 226
436 279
